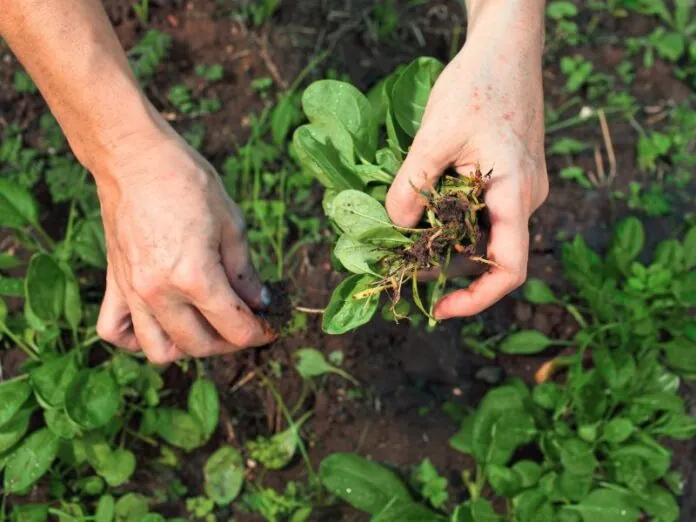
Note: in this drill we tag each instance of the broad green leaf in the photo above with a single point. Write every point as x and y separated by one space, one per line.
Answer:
60 424
327 101
661 401
323 160
538 292
277 451
357 213
675 425
11 286
574 487
73 302
365 485
125 368
657 462
45 288
204 406
344 313
131 507
224 475
281 119
605 505
504 481
312 363
357 257
119 468
385 237
388 161
659 503
528 471
89 243
407 512
462 440
670 254
92 398
629 238
13 431
526 342
479 510
31 460
52 378
618 430
411 90
534 506
30 513
371 174
558 10
689 244
548 395
680 354
577 456
179 428
18 207
13 395
8 262
106 508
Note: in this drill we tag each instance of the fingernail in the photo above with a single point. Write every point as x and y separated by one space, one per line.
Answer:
266 298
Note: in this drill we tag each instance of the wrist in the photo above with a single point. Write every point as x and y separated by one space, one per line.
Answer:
519 19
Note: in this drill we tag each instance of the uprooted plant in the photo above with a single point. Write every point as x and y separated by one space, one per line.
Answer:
354 145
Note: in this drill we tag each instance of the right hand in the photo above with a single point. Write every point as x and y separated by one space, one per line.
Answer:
180 281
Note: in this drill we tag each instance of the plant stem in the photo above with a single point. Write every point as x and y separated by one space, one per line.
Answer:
44 235
24 347
314 311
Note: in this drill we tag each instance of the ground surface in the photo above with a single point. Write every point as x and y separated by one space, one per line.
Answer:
406 373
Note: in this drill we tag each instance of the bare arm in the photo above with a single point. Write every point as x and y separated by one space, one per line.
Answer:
180 280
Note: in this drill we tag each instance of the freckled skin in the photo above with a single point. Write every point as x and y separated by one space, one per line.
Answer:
501 59
180 281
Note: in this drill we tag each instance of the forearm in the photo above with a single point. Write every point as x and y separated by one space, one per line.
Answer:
520 19
71 51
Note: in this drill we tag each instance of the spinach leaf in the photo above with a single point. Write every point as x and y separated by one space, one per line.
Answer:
411 91
30 461
224 475
344 312
13 395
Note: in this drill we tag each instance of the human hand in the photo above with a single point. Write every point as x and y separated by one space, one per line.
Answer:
180 280
487 108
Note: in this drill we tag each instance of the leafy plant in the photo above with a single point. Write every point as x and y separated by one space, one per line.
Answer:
312 363
340 147
141 8
148 53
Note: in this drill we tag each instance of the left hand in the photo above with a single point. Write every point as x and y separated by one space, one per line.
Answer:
487 108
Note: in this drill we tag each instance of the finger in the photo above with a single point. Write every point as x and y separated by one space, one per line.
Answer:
229 315
158 347
508 247
191 333
114 324
419 173
241 274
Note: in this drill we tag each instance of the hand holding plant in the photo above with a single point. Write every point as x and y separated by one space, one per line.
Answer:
486 108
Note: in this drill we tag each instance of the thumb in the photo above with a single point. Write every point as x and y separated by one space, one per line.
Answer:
417 177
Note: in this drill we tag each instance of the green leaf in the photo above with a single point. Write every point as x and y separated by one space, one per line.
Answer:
526 342
125 368
45 288
9 261
224 475
13 395
365 485
115 466
680 354
659 503
11 286
407 512
578 457
537 291
312 363
528 471
411 90
31 460
431 485
89 243
51 379
282 119
179 429
534 506
18 207
661 401
479 510
30 513
92 399
73 302
105 509
676 426
330 102
689 244
558 10
548 395
204 406
60 424
629 238
504 481
356 214
656 461
605 505
131 507
13 431
344 313
618 430
322 159
357 257
574 487
670 254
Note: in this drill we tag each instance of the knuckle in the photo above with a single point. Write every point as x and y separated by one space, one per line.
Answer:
161 357
148 287
190 279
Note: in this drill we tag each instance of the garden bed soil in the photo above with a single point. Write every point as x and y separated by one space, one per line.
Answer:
406 374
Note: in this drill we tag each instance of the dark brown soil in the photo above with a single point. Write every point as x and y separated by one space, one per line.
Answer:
280 312
410 379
